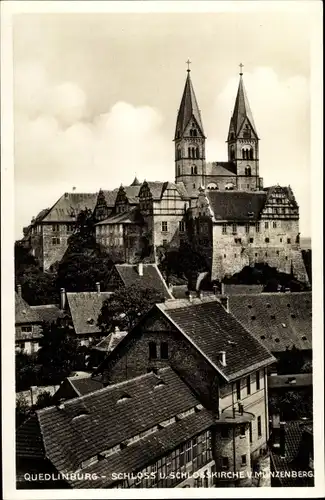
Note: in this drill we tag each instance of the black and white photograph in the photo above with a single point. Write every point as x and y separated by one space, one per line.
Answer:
162 243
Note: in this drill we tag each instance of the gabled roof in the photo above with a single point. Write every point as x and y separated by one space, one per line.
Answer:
110 197
225 168
282 319
84 385
75 433
136 182
230 289
131 193
69 205
151 278
211 329
242 110
235 206
286 190
131 217
48 313
85 308
157 188
109 343
189 108
23 312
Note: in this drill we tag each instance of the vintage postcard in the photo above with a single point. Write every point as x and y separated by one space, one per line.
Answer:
162 309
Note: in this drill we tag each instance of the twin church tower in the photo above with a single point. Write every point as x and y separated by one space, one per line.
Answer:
241 171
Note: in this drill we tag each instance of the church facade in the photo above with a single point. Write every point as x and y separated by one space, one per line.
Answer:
221 208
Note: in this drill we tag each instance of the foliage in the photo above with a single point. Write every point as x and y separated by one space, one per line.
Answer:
307 367
84 234
44 399
22 409
291 405
125 306
37 287
59 353
290 361
28 371
180 265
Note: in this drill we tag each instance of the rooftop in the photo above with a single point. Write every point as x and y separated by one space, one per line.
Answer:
86 433
85 308
110 342
238 206
278 320
48 313
151 277
24 313
208 326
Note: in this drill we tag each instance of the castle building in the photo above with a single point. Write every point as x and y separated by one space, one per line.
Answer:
222 208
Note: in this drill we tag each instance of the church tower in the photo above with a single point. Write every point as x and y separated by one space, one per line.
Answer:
243 142
189 141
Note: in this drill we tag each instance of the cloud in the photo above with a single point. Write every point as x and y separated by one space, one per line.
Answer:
58 146
280 109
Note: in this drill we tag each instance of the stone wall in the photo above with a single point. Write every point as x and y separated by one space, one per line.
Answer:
53 252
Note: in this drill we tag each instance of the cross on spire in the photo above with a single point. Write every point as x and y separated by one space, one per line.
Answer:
241 69
188 62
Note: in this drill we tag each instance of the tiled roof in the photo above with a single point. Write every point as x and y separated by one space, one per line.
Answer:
85 308
293 437
69 205
48 313
89 425
23 312
132 193
188 108
211 329
290 381
278 320
29 443
236 205
151 278
218 168
110 342
131 217
84 385
157 188
242 289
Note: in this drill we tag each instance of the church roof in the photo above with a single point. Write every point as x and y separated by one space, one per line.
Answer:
242 109
236 205
188 108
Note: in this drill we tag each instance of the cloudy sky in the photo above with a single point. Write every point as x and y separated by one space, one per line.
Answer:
96 97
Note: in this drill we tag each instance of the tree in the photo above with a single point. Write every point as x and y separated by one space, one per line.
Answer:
59 353
44 399
180 265
84 235
290 361
28 371
22 409
37 287
125 306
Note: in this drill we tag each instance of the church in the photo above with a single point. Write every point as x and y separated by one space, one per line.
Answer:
221 208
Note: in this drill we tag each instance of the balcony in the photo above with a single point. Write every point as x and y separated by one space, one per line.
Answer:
235 416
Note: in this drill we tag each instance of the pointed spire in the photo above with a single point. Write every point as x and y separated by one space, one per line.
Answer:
136 182
242 109
189 107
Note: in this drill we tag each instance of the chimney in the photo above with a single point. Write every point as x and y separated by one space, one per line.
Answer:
222 288
225 302
62 298
140 269
282 439
19 290
190 297
223 358
215 289
98 287
116 329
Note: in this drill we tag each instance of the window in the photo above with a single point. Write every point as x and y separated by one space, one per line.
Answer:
181 455
238 390
257 227
224 228
225 462
258 382
55 241
178 170
197 153
274 225
267 240
26 329
266 225
193 185
224 432
250 432
247 227
248 171
164 226
248 384
251 240
242 430
288 240
243 460
70 228
164 350
259 426
234 228
164 242
152 350
181 226
55 227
